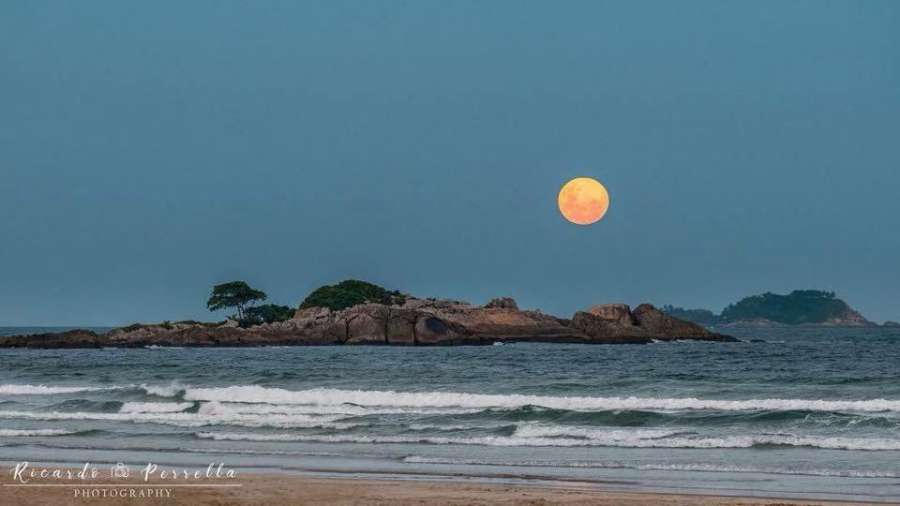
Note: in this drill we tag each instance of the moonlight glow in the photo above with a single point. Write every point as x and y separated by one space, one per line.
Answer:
583 200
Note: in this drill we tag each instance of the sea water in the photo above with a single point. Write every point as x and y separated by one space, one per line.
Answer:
800 412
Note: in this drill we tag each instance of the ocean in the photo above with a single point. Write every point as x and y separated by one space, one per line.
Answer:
790 412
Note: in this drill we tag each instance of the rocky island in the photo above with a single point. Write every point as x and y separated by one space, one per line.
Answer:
359 313
800 307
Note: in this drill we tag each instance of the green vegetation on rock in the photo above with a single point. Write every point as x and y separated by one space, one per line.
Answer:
351 293
266 313
699 316
800 307
795 308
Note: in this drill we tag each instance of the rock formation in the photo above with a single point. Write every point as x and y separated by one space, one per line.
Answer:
417 322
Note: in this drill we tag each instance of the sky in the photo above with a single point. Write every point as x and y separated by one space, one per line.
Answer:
149 150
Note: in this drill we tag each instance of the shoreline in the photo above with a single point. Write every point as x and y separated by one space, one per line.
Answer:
272 488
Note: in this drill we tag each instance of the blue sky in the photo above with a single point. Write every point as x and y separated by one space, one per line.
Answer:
149 150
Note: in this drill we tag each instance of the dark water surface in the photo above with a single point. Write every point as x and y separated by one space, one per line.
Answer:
805 412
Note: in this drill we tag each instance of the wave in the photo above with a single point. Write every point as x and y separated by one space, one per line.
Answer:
711 468
388 398
51 390
423 427
182 419
105 406
550 431
35 432
696 418
155 407
661 439
636 439
217 408
173 389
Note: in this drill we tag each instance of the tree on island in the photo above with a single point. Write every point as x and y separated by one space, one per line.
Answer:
236 294
796 308
266 313
800 307
699 316
349 293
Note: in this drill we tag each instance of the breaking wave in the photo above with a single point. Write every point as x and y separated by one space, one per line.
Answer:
170 390
387 398
35 432
50 390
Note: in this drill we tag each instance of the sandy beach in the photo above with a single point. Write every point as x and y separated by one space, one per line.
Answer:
293 489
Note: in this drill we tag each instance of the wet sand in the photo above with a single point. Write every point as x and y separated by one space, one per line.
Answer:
293 489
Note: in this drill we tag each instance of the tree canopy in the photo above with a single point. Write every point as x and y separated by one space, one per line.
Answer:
796 308
266 313
236 294
699 316
351 293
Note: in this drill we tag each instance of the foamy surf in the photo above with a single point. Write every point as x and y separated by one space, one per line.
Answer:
51 390
170 390
382 400
35 432
219 408
389 398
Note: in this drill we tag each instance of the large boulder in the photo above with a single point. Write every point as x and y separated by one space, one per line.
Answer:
366 324
661 326
401 326
432 330
616 313
601 329
312 313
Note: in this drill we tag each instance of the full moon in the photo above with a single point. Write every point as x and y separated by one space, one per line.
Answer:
583 200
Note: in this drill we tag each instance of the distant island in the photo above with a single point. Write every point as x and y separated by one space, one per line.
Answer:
800 307
355 312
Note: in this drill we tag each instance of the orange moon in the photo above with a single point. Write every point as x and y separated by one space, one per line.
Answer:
583 200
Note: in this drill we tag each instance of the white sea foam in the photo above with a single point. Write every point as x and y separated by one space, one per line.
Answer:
376 398
155 407
635 439
382 401
34 432
50 390
170 390
428 426
216 407
529 430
